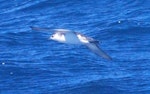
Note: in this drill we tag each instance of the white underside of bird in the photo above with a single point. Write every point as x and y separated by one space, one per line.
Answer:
71 37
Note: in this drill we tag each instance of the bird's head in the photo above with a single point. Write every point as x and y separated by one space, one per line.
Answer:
58 37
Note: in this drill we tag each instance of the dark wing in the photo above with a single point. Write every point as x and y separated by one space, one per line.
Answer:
40 28
49 29
97 50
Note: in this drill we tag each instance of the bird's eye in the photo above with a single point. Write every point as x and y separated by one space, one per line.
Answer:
52 36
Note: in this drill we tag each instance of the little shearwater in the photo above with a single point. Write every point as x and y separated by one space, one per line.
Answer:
72 37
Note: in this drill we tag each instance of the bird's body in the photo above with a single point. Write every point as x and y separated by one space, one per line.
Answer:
71 37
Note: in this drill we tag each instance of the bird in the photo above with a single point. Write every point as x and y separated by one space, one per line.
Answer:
72 37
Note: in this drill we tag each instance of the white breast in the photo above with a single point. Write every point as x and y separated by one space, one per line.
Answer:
82 38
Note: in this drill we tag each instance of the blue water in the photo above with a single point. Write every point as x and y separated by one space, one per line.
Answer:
32 64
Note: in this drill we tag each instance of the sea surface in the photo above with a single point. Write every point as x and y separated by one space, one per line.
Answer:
30 63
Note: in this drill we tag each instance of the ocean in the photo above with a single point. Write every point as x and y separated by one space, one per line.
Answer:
30 63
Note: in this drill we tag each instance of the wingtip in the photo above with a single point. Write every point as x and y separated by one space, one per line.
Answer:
33 28
110 59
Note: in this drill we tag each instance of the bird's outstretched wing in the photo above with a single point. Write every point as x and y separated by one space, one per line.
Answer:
48 29
97 50
40 28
